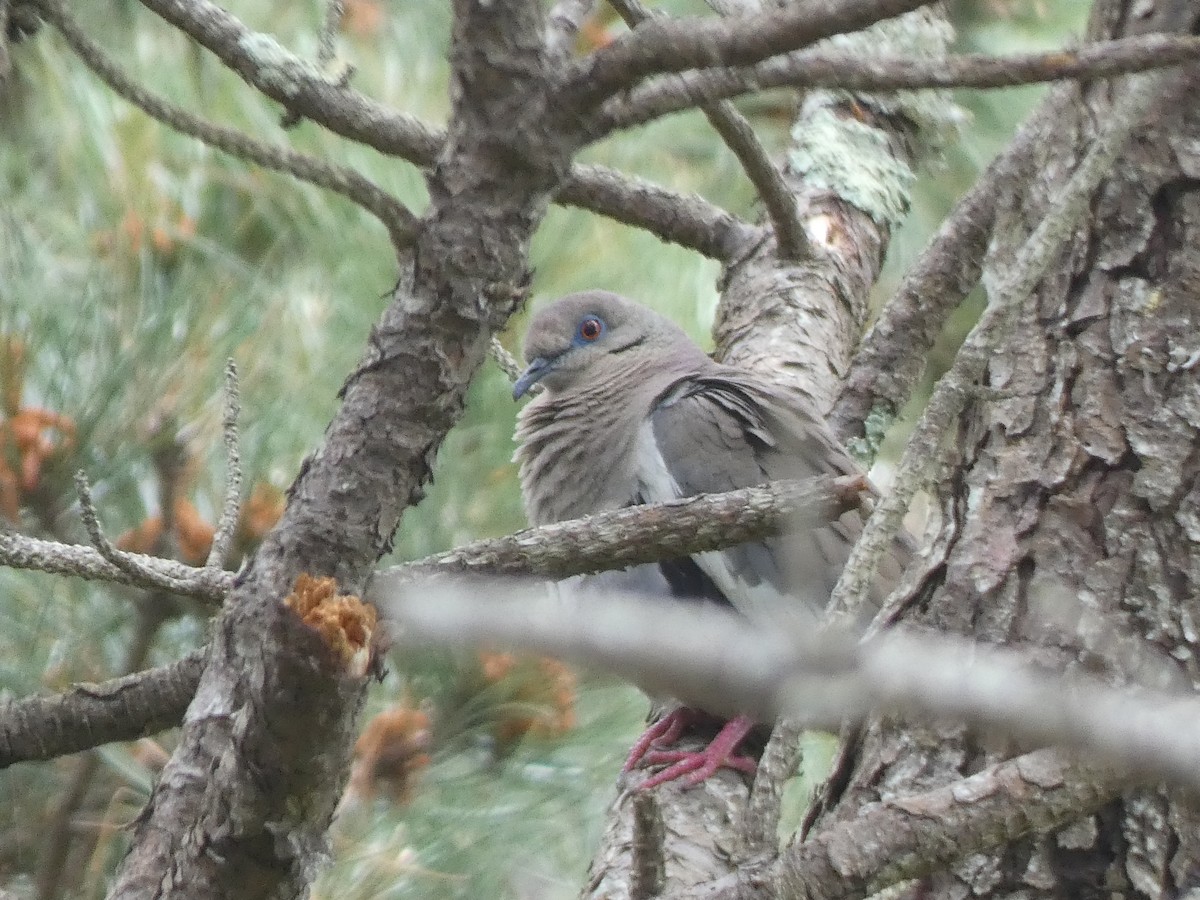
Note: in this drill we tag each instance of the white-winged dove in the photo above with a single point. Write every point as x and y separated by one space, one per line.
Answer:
634 412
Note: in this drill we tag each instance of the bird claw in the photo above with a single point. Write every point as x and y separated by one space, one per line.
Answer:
665 731
698 765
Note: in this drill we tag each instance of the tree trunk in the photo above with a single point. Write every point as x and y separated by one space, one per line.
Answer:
1070 511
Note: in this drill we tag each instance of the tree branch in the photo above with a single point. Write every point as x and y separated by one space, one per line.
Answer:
286 78
688 220
664 96
396 217
740 138
230 509
910 836
297 83
88 715
644 534
952 390
719 661
659 45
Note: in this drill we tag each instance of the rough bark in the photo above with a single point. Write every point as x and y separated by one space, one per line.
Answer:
1076 474
797 322
243 806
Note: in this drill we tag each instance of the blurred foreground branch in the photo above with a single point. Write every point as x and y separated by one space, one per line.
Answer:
721 662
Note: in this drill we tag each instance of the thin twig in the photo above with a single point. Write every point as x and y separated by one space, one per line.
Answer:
779 762
331 22
19 551
127 562
740 138
924 448
395 216
660 46
565 19
506 361
231 508
648 871
664 96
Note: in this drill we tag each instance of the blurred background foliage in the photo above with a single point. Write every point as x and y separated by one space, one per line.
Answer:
134 262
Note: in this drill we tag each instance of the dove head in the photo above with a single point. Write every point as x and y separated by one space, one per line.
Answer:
573 340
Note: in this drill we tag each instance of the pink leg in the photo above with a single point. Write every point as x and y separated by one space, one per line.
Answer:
665 731
698 766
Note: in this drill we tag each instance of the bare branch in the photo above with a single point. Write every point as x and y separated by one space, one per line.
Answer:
88 715
608 541
716 660
739 137
688 220
21 552
231 508
130 563
659 46
664 96
779 761
910 836
335 10
889 360
952 391
298 84
563 23
399 221
642 534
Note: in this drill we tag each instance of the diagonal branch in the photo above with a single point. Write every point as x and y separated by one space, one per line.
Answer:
399 221
271 69
88 715
906 837
659 46
643 534
739 137
299 84
688 220
664 96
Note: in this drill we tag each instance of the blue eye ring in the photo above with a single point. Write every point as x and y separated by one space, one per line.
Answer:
590 329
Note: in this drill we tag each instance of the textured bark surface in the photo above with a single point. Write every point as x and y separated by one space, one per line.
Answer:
797 324
243 806
1071 517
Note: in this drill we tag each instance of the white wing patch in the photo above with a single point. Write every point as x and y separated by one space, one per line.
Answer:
761 603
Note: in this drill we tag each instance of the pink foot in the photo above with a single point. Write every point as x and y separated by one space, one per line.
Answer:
699 765
665 731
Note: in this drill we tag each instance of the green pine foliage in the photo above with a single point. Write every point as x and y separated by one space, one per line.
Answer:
134 262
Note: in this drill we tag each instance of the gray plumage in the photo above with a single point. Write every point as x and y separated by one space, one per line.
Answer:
633 411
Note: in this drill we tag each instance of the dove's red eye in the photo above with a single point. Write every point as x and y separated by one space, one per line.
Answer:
591 328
